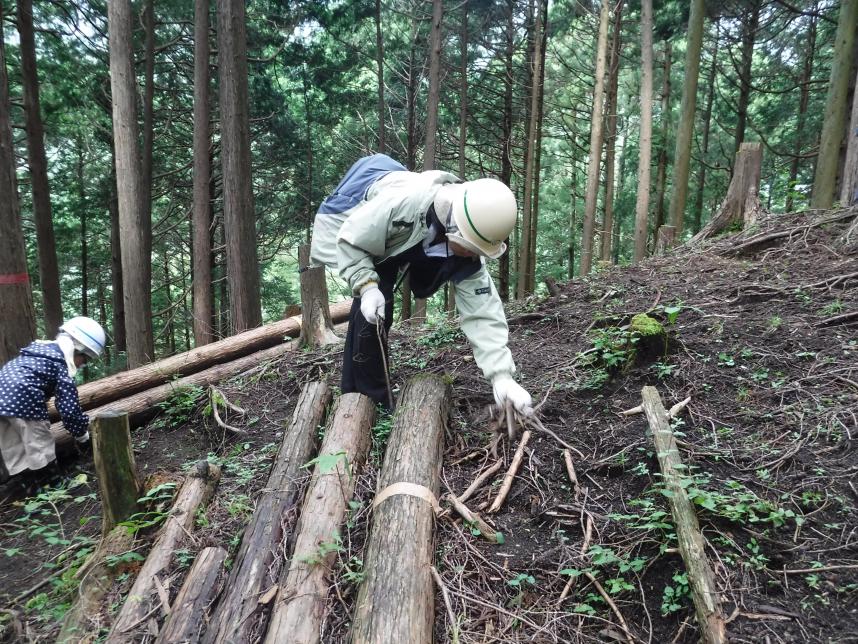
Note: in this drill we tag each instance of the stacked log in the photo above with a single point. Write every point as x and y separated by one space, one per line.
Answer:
121 385
303 593
242 608
396 602
148 594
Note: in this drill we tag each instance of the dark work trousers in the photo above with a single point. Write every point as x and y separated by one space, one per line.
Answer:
363 360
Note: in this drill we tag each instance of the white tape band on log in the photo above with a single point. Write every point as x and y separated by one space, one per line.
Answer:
408 489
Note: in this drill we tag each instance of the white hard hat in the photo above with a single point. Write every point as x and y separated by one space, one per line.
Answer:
87 333
484 212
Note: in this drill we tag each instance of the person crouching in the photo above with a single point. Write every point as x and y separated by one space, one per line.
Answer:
42 370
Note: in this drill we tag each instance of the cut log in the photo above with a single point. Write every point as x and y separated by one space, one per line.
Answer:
121 385
665 238
300 606
118 484
82 622
190 609
742 204
396 601
143 597
701 581
316 327
239 613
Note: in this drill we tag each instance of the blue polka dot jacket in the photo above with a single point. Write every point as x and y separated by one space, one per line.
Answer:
28 381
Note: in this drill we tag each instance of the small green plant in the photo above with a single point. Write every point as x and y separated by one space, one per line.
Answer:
774 323
675 596
726 360
380 433
521 578
181 404
664 370
832 308
329 462
323 550
353 572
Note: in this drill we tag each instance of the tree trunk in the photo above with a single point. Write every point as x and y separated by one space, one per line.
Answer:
189 613
300 607
741 205
570 249
118 483
642 202
411 99
146 160
701 581
750 24
117 296
432 100
661 169
49 274
316 327
126 383
685 128
17 318
258 561
201 218
525 276
804 99
143 597
849 184
396 601
238 210
596 125
611 134
463 90
379 61
834 120
534 220
506 142
84 244
134 228
82 622
704 148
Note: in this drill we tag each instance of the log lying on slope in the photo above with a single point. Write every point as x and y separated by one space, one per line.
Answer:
300 606
259 559
701 581
396 602
122 385
190 608
143 599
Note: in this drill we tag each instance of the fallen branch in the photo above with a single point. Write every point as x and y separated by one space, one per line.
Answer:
215 398
614 609
475 520
510 473
480 480
454 625
570 470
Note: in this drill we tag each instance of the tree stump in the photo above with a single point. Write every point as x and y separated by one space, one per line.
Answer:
396 602
316 327
189 614
664 239
742 204
701 581
300 606
118 484
259 559
144 596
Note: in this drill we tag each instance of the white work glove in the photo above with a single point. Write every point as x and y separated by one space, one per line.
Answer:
83 438
372 303
505 388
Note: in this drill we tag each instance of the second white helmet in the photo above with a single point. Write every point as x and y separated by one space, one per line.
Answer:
484 212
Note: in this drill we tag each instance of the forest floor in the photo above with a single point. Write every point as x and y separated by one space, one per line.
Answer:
762 338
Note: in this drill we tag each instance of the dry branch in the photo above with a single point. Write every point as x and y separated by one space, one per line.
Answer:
143 596
396 602
510 473
258 561
187 619
691 545
474 520
300 607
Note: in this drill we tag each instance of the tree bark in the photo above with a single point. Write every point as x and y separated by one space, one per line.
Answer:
642 202
685 128
849 186
203 297
316 327
237 617
146 160
701 581
124 384
704 146
596 129
84 233
117 296
432 100
142 598
396 601
379 62
49 275
506 139
238 210
189 614
17 318
828 159
300 607
118 483
611 138
525 276
750 24
661 169
134 228
804 99
741 205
